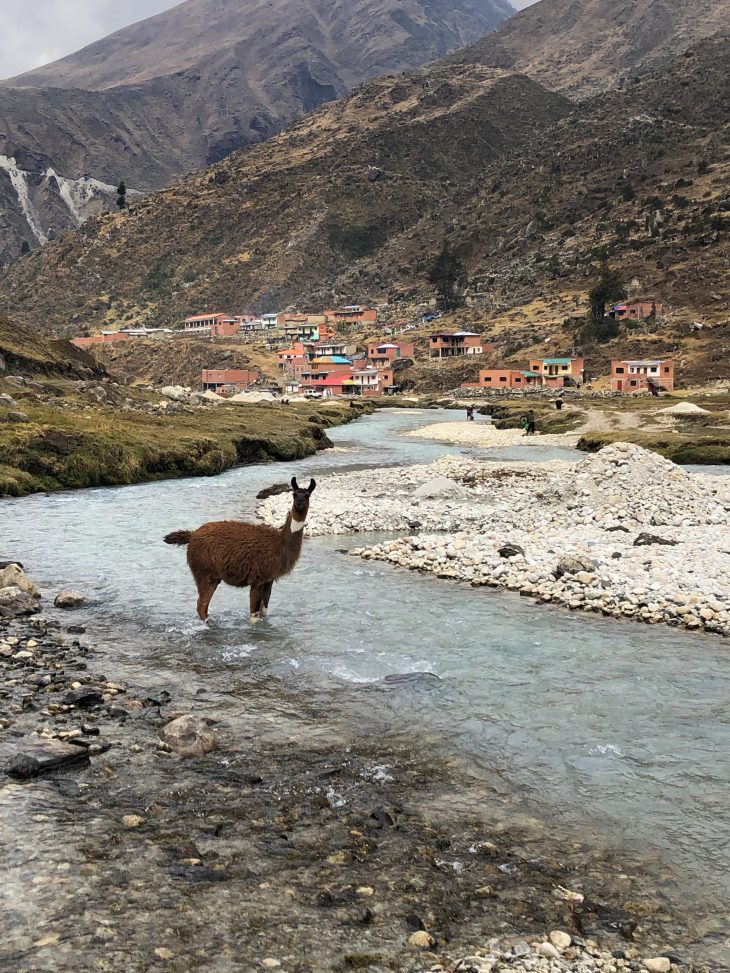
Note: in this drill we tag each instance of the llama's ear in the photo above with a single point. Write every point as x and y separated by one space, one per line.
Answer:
312 485
294 484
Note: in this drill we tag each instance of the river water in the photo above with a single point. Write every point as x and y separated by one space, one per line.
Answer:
601 727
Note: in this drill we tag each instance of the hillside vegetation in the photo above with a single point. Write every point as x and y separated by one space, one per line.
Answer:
67 425
271 223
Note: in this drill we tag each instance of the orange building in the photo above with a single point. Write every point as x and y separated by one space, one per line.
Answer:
228 379
289 354
559 372
225 328
369 381
203 322
351 317
445 344
100 339
384 353
639 374
507 378
637 310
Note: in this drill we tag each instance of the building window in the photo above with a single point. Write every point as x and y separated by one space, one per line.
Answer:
518 381
502 378
666 369
619 371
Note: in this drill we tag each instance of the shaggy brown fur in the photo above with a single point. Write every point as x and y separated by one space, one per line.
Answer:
245 555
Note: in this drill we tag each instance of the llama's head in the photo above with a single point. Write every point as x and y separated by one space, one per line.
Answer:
301 497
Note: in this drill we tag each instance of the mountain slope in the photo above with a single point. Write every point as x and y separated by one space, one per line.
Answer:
276 220
582 47
185 88
354 39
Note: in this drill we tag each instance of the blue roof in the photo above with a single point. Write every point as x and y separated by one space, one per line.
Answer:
339 360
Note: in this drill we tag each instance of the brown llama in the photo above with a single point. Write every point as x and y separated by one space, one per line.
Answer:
244 554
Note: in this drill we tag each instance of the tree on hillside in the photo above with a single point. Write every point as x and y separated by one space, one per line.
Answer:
449 276
122 195
608 289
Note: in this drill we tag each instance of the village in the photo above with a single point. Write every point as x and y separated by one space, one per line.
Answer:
319 355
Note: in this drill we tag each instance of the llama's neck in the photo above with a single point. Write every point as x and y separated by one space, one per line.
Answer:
293 526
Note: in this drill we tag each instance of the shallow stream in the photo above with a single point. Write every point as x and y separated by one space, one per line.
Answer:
598 727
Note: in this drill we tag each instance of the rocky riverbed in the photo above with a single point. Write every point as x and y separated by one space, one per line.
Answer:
623 532
159 818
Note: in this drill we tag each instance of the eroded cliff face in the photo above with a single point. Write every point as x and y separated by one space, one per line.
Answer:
188 87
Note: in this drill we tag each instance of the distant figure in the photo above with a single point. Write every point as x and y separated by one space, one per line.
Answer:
470 413
529 423
558 404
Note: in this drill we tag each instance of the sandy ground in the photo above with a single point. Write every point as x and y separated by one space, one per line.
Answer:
485 435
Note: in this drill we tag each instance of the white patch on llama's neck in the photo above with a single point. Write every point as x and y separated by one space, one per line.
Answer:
296 526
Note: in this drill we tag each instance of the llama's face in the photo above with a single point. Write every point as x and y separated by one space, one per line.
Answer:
301 497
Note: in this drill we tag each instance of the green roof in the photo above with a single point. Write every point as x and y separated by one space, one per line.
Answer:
557 361
531 375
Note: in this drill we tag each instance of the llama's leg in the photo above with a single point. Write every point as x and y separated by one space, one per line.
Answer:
255 602
265 596
206 589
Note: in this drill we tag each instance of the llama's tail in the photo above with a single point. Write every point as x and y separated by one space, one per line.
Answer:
180 537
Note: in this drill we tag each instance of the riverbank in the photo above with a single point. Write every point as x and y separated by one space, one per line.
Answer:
72 444
687 432
290 844
622 533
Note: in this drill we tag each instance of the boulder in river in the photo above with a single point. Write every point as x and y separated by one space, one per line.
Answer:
70 599
510 550
13 576
189 736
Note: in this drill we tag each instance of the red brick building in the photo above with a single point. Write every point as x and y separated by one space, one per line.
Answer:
637 310
100 339
381 354
639 374
228 379
559 372
445 344
507 378
352 317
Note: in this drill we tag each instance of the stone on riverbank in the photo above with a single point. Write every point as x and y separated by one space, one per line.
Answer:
13 576
70 599
14 602
660 964
40 756
189 736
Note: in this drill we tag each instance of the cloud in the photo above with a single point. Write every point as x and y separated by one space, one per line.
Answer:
36 32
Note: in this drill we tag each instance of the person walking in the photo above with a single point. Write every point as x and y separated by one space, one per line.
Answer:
470 413
530 423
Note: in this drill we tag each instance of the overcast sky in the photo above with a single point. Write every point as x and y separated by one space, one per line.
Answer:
35 32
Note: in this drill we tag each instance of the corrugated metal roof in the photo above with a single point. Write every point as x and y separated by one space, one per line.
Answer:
556 361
